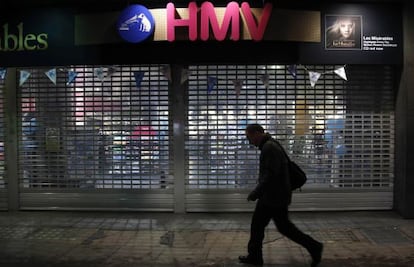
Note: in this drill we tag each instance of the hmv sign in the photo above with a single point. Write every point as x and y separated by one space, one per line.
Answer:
135 24
235 22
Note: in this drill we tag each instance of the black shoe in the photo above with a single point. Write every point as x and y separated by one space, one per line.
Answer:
251 260
316 254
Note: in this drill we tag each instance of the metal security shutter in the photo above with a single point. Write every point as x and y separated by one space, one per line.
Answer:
100 142
341 132
3 182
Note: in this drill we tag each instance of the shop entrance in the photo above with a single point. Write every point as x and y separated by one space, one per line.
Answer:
340 131
105 139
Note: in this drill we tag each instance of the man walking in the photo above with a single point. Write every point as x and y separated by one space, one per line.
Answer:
273 195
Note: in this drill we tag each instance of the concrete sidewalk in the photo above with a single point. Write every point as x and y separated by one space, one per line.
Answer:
363 239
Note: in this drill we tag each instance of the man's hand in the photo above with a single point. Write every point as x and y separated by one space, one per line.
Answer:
252 196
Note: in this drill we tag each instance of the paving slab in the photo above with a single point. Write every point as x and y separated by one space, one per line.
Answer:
126 239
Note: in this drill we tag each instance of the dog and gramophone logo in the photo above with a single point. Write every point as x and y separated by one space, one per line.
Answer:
135 24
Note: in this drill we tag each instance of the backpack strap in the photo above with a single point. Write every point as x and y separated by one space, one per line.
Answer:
283 150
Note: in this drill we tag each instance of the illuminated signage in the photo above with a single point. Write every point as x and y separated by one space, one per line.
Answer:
206 22
135 24
208 19
15 39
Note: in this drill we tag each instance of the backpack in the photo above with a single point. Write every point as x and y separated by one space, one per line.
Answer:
297 175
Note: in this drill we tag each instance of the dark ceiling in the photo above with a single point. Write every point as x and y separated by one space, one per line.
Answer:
56 3
106 5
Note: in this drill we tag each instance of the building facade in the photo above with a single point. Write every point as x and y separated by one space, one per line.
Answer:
143 107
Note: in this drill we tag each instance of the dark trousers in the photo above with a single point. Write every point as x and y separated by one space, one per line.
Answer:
261 218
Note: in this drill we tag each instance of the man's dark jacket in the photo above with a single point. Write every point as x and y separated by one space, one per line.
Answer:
273 188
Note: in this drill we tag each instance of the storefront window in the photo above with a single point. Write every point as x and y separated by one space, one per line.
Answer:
317 126
102 130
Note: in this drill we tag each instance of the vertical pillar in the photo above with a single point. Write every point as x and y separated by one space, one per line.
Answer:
10 146
178 93
404 167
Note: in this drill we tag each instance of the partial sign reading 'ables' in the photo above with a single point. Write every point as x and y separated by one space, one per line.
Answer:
15 38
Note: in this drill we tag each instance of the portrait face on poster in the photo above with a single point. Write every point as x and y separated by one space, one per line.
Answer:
343 32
